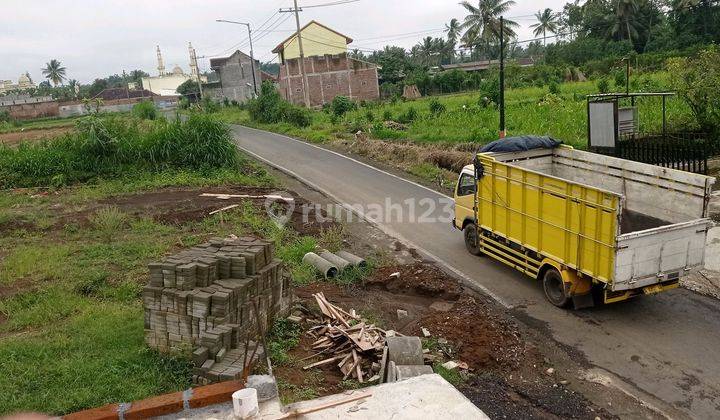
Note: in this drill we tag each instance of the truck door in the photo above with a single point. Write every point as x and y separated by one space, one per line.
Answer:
465 199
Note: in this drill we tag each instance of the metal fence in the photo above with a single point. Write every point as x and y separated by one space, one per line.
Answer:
684 151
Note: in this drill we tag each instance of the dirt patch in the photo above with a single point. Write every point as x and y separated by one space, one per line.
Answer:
17 224
18 286
508 375
16 137
483 339
178 206
420 279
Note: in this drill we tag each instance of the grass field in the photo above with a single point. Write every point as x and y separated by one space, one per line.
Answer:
528 111
38 124
73 259
71 321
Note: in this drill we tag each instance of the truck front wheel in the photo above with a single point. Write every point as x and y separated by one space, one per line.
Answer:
555 288
471 239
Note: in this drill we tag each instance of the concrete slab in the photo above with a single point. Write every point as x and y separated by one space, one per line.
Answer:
427 396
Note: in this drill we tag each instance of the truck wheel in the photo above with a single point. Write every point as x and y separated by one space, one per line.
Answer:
471 239
554 288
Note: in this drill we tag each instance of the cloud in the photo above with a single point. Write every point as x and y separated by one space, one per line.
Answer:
94 39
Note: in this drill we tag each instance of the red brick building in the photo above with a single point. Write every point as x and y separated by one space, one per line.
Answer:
329 76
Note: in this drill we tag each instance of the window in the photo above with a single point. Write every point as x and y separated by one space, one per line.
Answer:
466 185
363 83
328 86
297 90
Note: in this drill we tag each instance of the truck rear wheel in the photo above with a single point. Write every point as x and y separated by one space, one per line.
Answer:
555 288
471 239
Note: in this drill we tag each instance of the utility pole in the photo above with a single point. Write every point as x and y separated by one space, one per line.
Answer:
502 78
306 93
252 54
252 60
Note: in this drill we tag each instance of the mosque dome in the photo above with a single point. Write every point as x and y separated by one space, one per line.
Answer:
23 79
177 70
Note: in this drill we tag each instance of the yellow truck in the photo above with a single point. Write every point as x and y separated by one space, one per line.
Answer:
584 224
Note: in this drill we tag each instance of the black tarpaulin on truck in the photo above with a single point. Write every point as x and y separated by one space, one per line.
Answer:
520 144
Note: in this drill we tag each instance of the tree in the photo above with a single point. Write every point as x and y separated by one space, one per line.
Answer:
483 21
188 88
546 21
54 72
697 81
625 25
453 30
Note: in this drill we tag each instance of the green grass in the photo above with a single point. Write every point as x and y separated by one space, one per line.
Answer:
464 120
283 337
71 335
38 124
452 376
95 357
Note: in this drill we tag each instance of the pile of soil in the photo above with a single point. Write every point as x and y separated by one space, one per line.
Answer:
482 338
421 279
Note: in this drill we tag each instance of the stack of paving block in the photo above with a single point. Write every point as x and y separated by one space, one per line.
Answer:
205 299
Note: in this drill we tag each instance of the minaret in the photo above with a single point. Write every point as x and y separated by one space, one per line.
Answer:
161 65
193 61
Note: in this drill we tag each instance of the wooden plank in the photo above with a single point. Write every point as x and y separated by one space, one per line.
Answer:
324 362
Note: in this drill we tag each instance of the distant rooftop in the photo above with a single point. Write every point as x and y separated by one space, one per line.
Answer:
123 93
486 64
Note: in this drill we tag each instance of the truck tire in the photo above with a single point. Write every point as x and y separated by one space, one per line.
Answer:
554 288
471 239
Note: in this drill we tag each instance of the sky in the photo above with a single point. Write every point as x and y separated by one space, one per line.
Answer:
96 38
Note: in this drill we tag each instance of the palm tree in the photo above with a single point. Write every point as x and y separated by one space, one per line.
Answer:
625 24
484 20
54 71
546 21
453 30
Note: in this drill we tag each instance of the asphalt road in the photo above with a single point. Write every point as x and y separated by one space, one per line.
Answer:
664 348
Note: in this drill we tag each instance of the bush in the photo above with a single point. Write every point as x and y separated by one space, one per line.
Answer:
297 116
208 105
5 115
270 108
387 115
620 79
436 107
145 110
112 146
697 81
369 116
341 105
490 87
554 88
603 85
408 116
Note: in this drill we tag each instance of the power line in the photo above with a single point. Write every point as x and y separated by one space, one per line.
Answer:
335 3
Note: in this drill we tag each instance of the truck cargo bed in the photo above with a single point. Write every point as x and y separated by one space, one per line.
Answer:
660 214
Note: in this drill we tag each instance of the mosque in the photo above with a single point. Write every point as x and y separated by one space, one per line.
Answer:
166 84
24 82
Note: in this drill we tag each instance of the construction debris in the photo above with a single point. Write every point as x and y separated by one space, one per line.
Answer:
346 339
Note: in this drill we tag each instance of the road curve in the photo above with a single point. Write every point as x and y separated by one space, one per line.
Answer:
667 346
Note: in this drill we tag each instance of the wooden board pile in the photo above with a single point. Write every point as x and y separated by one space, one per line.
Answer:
211 298
350 341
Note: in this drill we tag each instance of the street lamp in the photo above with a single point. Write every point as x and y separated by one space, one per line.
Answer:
252 57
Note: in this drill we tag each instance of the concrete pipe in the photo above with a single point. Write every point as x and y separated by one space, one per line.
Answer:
338 262
353 259
322 265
